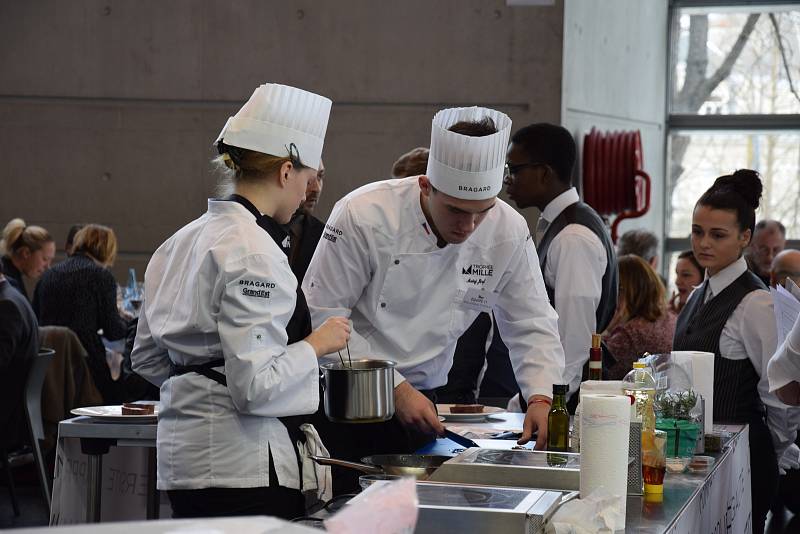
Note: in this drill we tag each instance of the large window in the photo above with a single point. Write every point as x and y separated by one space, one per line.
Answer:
734 102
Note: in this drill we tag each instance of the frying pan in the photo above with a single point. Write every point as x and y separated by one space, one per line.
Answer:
420 466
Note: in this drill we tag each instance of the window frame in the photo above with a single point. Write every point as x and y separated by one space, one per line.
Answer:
722 123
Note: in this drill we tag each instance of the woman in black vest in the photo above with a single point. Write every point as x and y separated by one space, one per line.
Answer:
730 314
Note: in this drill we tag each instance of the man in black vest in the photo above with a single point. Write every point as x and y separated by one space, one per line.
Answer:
576 254
304 229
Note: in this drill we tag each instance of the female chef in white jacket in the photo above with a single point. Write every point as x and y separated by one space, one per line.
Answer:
219 296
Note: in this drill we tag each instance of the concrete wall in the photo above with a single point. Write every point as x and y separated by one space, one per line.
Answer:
108 108
614 78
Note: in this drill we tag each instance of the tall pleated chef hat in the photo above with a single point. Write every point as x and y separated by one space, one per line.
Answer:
278 116
464 166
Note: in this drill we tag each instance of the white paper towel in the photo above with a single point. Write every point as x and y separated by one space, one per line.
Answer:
605 429
702 364
611 387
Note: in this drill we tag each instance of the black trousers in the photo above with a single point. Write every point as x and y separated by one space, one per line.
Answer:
274 500
763 472
353 442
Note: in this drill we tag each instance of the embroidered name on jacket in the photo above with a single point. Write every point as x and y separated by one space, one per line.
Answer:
256 288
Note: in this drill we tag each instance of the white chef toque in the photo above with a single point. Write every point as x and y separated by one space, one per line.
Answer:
464 166
278 116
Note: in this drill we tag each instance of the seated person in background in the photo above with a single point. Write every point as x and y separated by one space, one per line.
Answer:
70 244
785 265
81 294
304 229
412 163
26 250
769 239
688 275
639 242
642 322
19 343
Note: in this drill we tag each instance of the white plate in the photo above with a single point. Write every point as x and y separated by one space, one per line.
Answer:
444 411
113 414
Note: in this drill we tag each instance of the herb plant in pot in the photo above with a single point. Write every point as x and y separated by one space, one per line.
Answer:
678 414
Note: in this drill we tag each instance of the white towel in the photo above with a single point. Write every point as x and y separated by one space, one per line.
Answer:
315 477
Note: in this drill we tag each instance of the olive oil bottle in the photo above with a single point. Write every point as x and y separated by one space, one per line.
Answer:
558 421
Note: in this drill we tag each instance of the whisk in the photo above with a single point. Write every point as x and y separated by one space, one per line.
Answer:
349 359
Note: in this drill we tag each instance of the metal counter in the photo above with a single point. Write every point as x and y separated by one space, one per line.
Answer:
715 501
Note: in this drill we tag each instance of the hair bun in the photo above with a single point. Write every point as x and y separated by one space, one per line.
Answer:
744 182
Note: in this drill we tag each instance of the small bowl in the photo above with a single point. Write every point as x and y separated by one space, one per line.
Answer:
701 464
676 464
366 481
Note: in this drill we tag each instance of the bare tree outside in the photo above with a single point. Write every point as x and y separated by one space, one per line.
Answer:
735 63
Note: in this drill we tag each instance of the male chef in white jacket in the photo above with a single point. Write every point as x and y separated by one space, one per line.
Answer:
413 262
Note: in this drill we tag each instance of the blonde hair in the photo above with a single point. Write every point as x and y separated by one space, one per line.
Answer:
97 241
640 289
244 165
17 235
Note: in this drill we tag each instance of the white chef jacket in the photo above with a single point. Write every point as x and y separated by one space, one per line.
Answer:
575 264
222 288
751 332
409 300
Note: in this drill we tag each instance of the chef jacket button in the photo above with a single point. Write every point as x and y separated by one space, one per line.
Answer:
383 304
397 262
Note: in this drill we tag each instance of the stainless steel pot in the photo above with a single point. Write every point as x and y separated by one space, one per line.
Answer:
361 391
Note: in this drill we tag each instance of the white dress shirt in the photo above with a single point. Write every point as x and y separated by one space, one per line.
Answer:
574 268
222 288
784 366
378 263
751 332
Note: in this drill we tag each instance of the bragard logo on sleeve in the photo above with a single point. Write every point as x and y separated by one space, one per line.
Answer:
256 288
331 233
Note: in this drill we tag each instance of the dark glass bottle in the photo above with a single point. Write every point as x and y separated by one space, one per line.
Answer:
596 359
558 421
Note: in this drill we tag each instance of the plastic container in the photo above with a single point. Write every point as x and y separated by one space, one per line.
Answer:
642 386
701 465
677 464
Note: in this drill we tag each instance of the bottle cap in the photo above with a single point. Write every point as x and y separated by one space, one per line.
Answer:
639 365
596 339
560 389
653 488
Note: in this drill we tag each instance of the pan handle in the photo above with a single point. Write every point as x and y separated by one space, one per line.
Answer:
324 460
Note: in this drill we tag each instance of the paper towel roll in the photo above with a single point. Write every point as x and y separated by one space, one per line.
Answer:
609 387
605 429
702 378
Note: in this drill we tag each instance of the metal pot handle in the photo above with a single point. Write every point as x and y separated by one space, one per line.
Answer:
324 460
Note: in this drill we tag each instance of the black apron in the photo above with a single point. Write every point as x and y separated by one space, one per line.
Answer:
298 328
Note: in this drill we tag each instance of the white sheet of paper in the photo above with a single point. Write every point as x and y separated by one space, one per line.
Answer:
792 287
786 308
